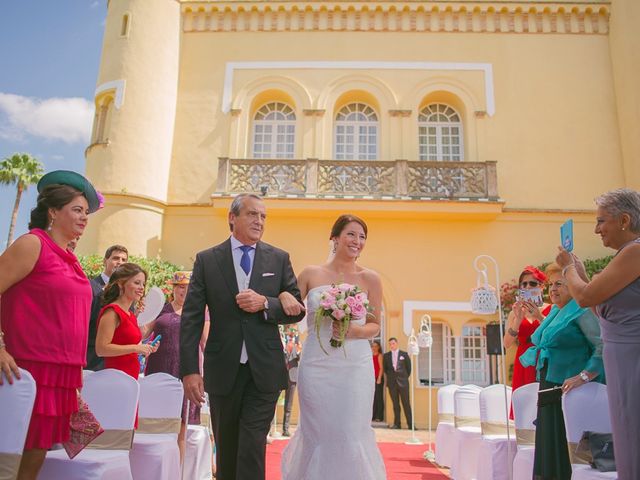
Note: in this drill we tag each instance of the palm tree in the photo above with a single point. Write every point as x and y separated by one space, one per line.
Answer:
22 170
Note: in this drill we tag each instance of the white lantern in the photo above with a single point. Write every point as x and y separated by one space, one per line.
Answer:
425 340
412 346
484 300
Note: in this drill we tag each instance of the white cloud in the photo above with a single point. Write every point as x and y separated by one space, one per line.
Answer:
65 119
95 4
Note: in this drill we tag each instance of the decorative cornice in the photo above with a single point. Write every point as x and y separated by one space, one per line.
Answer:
314 112
579 17
400 113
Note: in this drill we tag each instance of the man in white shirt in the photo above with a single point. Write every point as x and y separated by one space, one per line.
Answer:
397 368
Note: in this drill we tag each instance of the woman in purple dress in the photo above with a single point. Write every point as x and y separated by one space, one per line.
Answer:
167 358
615 293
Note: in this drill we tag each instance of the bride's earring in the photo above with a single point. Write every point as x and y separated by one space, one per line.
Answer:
335 245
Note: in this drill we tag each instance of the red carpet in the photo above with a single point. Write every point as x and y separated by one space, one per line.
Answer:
403 462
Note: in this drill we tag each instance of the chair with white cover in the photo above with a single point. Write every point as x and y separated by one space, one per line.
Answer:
198 452
497 449
155 452
586 408
112 396
197 458
16 403
525 412
446 429
467 438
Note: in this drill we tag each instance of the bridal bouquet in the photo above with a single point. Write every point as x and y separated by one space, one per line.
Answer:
341 303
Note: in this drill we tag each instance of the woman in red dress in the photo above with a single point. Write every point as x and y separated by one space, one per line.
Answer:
378 405
119 338
524 319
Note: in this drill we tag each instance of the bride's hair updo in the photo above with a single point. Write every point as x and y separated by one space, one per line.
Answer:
343 221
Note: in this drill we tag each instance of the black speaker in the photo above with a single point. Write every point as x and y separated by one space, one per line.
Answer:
493 339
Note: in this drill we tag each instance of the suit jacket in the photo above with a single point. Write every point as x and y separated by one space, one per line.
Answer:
97 286
213 284
400 376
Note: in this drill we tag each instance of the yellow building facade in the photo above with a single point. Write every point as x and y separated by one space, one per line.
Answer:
454 128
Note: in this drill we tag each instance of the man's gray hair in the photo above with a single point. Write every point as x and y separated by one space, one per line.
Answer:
620 201
237 202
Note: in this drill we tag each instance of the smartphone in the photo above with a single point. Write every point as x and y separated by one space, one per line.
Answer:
566 235
156 340
533 295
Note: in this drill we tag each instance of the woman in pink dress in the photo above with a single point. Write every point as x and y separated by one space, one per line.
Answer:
45 305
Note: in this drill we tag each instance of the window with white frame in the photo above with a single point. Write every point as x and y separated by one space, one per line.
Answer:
356 133
462 359
442 357
274 131
474 360
440 133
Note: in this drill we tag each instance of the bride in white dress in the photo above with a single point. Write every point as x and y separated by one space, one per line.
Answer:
334 438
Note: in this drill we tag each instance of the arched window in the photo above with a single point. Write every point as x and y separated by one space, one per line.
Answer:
274 131
356 133
102 120
440 133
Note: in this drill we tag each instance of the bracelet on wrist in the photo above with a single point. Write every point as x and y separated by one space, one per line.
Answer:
585 378
565 269
512 332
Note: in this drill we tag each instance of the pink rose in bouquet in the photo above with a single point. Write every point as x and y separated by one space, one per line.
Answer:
341 303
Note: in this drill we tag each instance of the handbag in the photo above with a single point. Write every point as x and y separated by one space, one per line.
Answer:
85 428
599 447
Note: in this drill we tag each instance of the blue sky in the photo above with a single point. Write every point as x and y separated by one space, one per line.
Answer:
49 58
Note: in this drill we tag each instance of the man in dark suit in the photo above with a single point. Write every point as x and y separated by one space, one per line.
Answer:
244 366
397 368
115 256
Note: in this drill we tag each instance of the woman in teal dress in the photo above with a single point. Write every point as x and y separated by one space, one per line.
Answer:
567 353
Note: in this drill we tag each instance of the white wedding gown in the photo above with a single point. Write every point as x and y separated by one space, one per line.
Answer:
334 439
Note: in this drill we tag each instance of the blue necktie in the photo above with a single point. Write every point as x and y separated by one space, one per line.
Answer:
245 260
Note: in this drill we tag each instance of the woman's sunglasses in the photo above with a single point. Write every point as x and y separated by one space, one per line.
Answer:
530 283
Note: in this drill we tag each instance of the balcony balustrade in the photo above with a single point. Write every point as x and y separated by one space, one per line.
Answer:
365 179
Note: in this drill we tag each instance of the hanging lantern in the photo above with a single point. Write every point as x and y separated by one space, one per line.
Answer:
484 300
425 340
412 346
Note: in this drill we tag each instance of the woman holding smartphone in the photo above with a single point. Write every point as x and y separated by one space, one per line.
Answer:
525 317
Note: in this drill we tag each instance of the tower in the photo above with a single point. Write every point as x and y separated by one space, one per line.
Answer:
129 157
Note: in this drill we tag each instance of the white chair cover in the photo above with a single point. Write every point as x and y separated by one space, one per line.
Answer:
525 411
156 455
197 461
16 405
112 396
467 438
495 458
586 409
445 430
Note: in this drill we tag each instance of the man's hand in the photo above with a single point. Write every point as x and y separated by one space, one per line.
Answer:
290 304
250 301
194 388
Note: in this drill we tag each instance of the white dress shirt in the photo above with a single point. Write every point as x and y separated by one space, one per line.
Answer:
394 358
242 278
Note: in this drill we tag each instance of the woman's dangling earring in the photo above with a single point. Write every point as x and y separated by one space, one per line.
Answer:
335 246
50 226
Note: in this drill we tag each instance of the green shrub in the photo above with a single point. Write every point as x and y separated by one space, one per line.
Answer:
159 272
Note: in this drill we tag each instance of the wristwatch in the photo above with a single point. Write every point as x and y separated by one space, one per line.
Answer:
266 303
585 378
